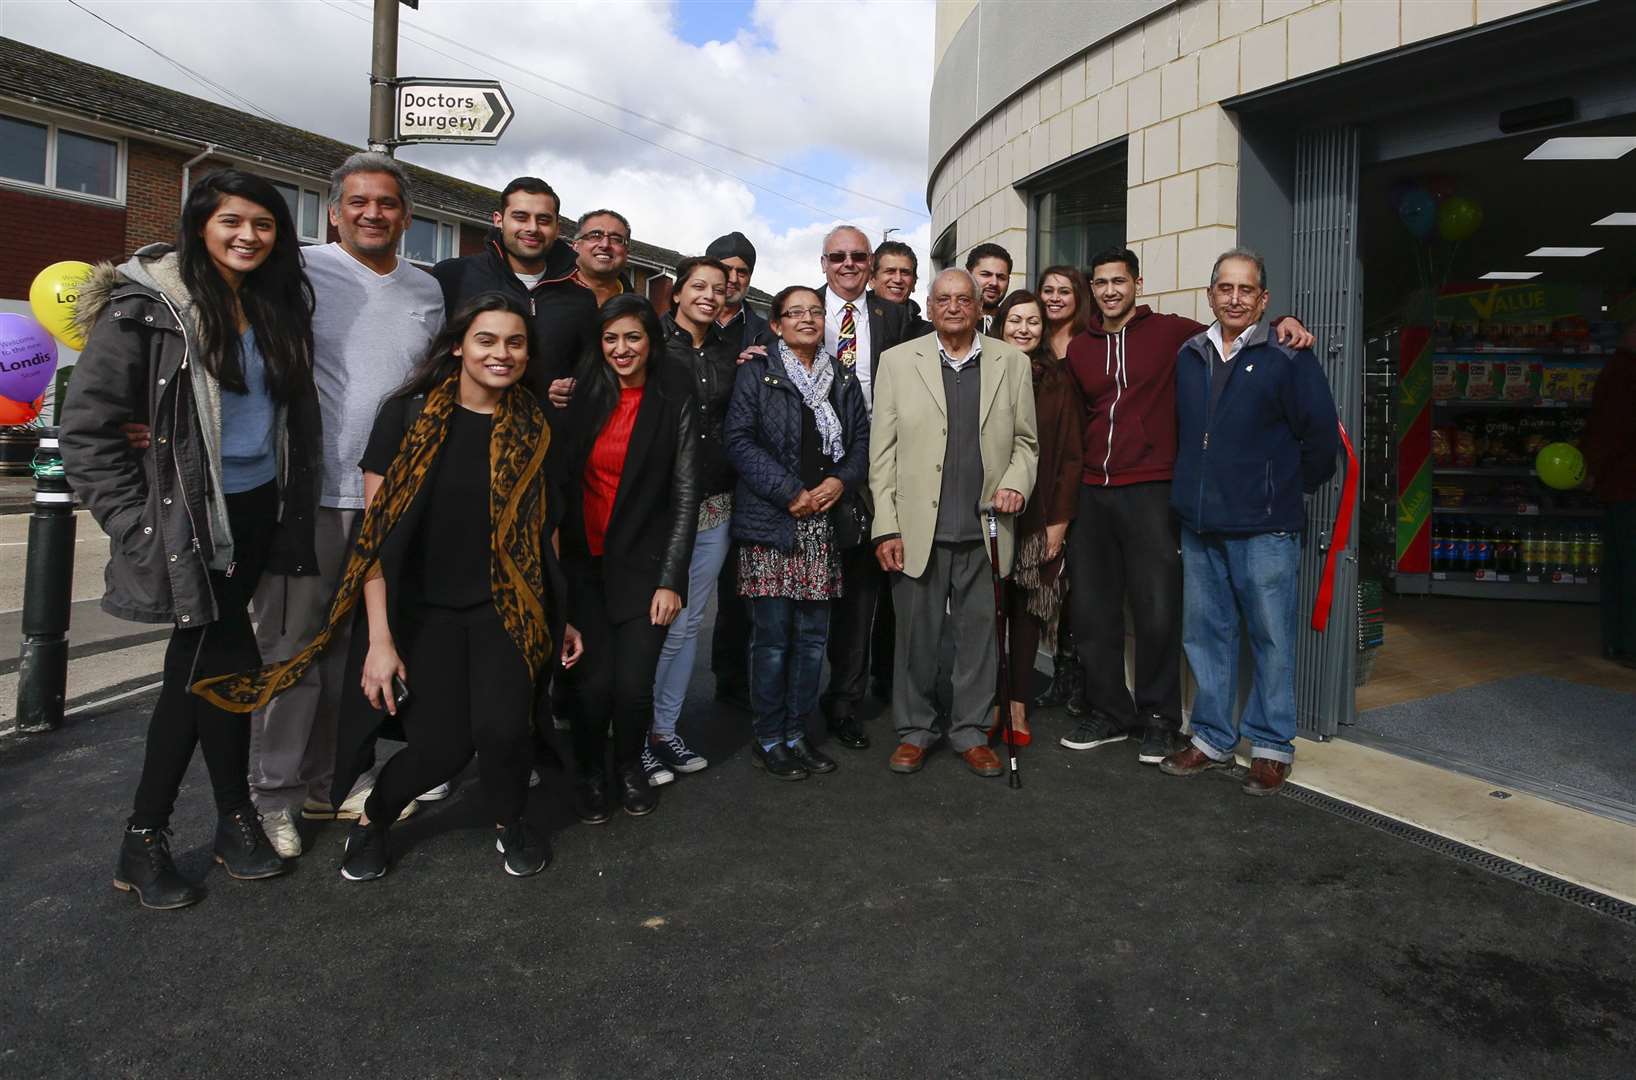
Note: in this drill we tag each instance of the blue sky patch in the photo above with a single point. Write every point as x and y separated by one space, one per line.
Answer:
701 21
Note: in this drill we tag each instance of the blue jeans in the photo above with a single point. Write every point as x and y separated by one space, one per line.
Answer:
1258 578
786 661
682 640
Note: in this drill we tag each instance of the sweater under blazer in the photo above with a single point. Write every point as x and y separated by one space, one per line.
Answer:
1244 461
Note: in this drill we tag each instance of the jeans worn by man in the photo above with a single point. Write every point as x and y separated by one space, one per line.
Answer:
1256 428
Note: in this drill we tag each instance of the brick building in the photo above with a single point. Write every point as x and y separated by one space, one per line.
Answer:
94 164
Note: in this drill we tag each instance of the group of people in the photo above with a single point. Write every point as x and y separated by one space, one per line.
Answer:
292 451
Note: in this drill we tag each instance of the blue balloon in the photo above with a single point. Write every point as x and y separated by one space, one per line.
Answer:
1418 212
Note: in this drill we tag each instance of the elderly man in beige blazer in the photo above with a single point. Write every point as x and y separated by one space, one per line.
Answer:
953 431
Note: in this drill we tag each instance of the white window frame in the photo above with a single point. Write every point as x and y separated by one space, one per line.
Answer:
448 228
89 131
306 187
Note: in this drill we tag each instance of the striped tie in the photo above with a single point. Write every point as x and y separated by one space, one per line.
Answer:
847 342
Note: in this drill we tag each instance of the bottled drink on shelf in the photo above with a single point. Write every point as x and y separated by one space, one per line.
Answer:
1594 554
1483 542
1530 551
1459 547
1556 558
1440 548
1579 548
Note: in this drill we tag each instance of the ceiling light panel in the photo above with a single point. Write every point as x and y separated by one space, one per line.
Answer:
1562 252
1511 275
1623 217
1584 148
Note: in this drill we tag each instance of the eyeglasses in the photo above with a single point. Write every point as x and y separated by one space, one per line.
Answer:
597 236
836 258
797 312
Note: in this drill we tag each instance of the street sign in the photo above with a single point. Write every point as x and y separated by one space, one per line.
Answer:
451 111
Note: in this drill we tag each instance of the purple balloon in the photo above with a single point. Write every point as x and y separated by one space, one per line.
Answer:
28 356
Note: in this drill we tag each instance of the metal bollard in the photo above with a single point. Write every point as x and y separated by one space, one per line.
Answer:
48 587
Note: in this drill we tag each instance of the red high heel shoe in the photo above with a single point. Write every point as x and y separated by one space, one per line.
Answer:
1014 737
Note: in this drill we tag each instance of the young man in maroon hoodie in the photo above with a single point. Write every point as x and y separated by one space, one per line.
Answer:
1124 543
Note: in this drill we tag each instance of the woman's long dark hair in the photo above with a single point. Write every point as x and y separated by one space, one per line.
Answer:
1082 297
1042 351
596 386
439 362
276 297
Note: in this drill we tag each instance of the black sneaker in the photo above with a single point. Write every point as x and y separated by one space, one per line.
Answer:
242 847
671 750
366 853
657 772
1158 743
809 758
591 800
1093 731
145 868
527 850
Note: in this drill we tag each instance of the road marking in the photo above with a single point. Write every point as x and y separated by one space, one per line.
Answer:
110 700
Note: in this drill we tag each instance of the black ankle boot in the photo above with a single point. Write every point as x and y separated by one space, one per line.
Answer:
145 868
635 794
1077 704
241 846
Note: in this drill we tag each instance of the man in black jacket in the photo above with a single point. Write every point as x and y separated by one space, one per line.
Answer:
525 258
859 325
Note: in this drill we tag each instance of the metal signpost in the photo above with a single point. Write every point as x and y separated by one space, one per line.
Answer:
403 111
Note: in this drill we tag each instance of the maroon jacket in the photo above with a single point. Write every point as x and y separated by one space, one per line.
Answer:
1128 379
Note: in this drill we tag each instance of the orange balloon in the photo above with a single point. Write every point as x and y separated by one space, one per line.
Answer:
19 412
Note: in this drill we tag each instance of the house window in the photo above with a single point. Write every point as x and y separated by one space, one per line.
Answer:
49 156
428 240
1079 210
943 251
304 205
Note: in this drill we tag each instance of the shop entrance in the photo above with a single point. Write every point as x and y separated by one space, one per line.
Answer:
1495 298
1477 643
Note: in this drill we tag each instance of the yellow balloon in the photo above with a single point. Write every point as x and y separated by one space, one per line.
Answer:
52 297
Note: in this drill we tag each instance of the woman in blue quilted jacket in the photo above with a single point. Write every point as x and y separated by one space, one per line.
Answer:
797 434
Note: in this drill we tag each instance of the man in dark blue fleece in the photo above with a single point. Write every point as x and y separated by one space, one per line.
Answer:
1255 429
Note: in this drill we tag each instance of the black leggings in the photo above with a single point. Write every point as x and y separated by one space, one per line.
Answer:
470 691
181 719
613 680
1022 639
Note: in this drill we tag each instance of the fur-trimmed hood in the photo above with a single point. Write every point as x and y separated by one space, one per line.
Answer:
154 271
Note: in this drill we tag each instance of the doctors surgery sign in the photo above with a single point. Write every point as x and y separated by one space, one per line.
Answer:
451 111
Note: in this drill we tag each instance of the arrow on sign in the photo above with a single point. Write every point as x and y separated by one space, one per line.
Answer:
502 113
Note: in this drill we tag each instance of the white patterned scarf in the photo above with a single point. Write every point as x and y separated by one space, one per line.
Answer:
814 389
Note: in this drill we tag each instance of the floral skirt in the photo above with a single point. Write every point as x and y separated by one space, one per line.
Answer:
1045 583
811 570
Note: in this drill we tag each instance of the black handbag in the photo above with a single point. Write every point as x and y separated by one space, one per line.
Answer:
851 518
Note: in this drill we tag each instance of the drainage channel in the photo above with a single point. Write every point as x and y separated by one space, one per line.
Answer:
1494 864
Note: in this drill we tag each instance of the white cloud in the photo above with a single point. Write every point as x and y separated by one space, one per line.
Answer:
838 89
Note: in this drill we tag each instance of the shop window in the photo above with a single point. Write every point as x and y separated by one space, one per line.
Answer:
1079 210
46 155
305 206
428 240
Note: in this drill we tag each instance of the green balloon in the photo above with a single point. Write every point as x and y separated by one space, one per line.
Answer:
1458 217
1560 465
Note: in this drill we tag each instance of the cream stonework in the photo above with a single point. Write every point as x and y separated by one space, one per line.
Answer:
1158 84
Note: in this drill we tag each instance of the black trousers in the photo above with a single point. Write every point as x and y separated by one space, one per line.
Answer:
851 629
181 719
1022 639
470 692
614 679
1124 544
730 641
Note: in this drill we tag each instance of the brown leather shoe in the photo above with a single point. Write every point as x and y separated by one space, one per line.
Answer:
907 758
982 761
1266 776
1190 762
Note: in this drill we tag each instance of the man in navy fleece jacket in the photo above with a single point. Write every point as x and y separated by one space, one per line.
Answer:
1255 430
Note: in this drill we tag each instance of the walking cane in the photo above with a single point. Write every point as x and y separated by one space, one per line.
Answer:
1003 679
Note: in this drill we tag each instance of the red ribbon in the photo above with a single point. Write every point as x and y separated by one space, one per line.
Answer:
1337 542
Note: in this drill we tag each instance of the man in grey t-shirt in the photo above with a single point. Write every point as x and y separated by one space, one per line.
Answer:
375 314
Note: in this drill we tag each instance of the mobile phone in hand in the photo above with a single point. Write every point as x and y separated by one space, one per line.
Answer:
400 691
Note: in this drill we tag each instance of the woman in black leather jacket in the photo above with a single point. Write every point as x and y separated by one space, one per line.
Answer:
696 348
626 463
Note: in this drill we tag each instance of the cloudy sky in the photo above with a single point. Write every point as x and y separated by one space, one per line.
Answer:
835 89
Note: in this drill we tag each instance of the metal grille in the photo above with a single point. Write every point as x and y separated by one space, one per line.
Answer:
1327 297
1483 860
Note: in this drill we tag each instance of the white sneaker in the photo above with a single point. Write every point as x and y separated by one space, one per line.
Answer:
279 825
353 808
437 793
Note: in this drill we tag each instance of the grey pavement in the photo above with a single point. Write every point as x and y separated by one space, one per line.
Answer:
1103 921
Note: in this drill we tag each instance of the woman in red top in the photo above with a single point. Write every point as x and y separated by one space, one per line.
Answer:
625 464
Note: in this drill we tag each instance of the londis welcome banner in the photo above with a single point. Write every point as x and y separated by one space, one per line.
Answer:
1414 471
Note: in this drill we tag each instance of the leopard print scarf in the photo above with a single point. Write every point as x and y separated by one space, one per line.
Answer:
517 507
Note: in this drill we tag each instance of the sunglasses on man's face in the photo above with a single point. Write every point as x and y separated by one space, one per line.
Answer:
836 258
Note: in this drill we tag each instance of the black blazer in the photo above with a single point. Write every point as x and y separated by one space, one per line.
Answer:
649 542
889 324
